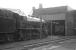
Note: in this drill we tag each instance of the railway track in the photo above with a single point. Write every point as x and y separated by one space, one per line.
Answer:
38 44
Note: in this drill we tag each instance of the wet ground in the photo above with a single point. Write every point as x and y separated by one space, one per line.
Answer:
65 45
40 44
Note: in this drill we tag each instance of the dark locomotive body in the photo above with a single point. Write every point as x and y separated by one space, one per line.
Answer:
7 26
14 27
9 22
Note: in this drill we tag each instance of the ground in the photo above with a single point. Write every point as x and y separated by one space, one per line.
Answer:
41 44
66 45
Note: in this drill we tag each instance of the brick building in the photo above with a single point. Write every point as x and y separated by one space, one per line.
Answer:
56 16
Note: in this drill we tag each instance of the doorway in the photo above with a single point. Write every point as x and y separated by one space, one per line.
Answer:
58 28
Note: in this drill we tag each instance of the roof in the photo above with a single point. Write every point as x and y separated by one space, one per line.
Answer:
44 11
34 19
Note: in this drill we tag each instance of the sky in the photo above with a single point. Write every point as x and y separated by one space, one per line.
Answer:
26 5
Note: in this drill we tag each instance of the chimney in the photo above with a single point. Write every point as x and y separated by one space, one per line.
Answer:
33 8
40 6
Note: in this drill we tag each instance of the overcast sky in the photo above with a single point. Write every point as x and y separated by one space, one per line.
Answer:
26 5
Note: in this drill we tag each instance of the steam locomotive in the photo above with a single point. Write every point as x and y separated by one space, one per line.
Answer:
14 27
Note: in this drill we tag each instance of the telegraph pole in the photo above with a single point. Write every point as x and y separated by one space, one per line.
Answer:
40 27
65 25
51 28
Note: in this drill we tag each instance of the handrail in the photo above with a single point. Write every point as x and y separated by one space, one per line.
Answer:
28 28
